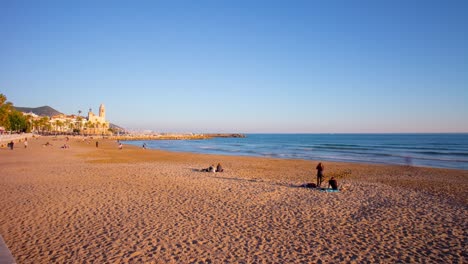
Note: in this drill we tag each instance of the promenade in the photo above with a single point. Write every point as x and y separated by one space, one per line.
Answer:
5 138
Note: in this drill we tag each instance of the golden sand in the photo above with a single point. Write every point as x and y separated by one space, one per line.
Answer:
104 205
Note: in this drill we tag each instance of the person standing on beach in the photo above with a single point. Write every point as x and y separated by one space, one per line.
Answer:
320 169
26 143
97 144
12 144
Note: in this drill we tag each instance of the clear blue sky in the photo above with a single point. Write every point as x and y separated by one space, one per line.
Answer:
242 66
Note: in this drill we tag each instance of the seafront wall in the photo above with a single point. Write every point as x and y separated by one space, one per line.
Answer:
4 139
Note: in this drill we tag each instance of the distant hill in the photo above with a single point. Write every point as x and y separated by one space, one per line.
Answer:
40 111
116 128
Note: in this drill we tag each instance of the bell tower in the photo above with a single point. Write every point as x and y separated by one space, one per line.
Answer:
102 112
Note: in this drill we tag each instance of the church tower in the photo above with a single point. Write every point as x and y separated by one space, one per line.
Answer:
102 112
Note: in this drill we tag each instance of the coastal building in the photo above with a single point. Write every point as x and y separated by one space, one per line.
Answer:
63 123
90 125
97 124
101 118
31 115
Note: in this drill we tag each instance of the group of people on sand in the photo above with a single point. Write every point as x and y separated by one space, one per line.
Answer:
332 183
212 168
11 144
120 146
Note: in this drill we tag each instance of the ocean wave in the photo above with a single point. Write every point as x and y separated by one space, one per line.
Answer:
462 154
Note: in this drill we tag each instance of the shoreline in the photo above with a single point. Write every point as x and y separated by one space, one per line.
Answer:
313 161
135 205
310 160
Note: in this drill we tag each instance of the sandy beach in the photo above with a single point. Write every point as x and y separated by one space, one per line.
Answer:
104 205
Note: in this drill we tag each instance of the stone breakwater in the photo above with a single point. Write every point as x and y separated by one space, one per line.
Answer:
174 136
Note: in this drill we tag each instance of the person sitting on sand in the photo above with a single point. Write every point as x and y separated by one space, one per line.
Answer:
209 169
219 168
120 146
333 183
47 144
212 168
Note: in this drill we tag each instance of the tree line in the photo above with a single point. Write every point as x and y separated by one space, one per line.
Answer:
11 119
16 122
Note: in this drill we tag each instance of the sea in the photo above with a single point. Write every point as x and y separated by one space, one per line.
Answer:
427 150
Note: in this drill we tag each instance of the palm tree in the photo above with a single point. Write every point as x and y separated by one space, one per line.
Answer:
36 124
5 110
44 123
88 125
58 125
68 125
48 127
71 126
79 121
29 122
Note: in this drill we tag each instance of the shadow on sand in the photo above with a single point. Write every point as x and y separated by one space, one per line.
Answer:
283 184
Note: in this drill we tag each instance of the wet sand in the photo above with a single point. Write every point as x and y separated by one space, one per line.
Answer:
104 205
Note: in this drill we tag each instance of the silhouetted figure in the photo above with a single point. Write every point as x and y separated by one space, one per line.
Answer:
333 183
320 169
11 144
97 144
